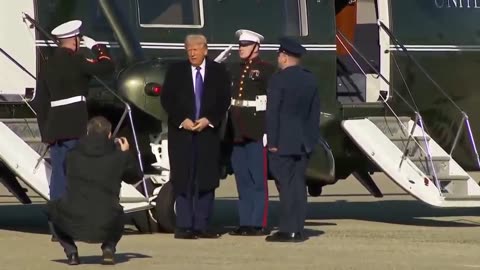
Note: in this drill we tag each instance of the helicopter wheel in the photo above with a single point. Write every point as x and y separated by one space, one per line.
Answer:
165 208
315 190
143 222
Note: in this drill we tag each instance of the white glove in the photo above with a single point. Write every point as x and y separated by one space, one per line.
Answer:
224 55
264 140
89 42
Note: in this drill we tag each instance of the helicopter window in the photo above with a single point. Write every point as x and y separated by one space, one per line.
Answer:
171 13
271 18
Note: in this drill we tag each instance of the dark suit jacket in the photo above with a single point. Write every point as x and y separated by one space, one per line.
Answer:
293 112
178 100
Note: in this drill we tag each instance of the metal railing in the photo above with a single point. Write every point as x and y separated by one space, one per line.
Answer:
465 119
415 110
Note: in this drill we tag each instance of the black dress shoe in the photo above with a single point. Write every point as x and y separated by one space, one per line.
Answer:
184 234
73 259
285 237
207 235
241 230
108 256
259 231
54 238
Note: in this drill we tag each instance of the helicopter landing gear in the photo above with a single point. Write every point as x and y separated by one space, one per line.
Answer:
315 190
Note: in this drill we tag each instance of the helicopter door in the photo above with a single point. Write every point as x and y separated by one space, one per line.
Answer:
17 52
356 80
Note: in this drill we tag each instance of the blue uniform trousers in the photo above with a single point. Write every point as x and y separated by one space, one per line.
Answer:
289 171
249 163
58 179
194 208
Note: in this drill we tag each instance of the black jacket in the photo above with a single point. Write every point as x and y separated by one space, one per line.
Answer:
67 74
90 210
293 112
249 80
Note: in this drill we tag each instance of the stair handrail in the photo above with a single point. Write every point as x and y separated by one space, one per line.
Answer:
127 111
465 117
418 116
404 128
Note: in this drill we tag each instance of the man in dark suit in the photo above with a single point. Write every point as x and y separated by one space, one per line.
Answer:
196 96
293 117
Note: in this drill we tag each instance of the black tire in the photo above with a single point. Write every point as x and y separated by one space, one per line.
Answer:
143 222
165 208
315 190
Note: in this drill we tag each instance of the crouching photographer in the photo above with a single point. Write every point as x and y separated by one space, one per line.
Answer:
90 209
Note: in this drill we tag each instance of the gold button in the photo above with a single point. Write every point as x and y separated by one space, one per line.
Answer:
239 95
248 67
241 88
243 76
241 82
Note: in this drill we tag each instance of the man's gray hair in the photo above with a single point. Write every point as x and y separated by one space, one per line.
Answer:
196 39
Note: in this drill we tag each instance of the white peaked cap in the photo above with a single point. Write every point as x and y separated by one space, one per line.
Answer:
68 29
247 35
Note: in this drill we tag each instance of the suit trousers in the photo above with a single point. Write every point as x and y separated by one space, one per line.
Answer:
58 154
249 163
68 244
194 208
289 171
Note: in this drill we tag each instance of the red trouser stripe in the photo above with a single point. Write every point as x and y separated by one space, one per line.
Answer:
265 182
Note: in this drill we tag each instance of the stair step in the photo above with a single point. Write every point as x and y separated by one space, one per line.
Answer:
450 197
434 158
403 119
413 146
390 125
450 177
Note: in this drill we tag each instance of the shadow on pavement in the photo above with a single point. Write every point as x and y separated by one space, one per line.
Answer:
31 218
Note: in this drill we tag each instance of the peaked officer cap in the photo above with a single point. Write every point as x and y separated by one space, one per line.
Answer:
247 35
68 29
291 46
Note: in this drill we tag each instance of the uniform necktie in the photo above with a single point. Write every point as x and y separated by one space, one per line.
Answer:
198 92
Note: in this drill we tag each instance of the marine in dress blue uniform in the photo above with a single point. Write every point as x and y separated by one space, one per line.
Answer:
60 100
247 121
293 117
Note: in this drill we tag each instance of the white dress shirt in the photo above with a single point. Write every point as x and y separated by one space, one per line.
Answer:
194 76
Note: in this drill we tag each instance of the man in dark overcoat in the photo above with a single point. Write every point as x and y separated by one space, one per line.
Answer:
90 209
60 100
196 96
293 130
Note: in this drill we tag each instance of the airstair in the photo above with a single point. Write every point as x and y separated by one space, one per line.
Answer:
434 178
402 148
21 150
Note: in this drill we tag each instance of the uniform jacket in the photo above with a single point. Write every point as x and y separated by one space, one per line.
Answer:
293 112
90 210
178 100
249 80
66 74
